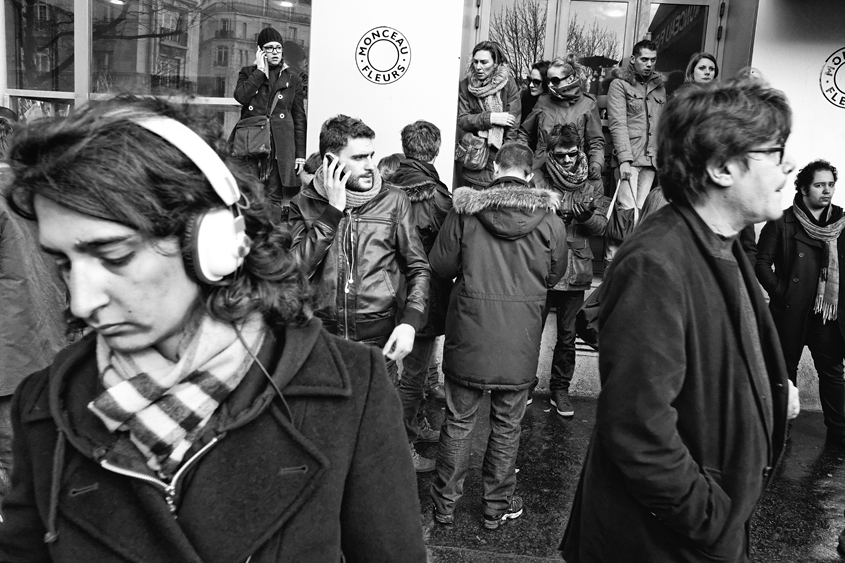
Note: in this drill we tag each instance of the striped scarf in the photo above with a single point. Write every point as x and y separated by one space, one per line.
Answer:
827 290
164 405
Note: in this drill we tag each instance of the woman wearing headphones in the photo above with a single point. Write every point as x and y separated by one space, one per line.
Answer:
206 416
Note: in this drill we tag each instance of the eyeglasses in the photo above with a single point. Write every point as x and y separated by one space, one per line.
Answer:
771 150
562 155
536 82
555 81
276 49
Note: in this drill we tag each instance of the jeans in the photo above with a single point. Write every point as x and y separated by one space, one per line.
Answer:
392 366
642 178
5 445
498 469
567 304
415 374
828 349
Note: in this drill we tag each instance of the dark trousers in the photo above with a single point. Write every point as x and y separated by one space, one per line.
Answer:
5 445
567 304
416 367
498 469
828 350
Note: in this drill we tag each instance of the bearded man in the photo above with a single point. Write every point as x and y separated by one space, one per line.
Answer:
354 236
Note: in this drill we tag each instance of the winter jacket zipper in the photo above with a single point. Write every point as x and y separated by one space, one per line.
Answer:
169 488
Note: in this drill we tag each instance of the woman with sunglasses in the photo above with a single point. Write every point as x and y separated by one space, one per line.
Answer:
270 87
537 85
489 106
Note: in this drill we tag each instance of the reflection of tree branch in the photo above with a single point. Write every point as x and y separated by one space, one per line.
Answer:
521 31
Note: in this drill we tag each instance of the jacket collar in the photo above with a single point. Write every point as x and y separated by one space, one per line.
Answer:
627 74
419 180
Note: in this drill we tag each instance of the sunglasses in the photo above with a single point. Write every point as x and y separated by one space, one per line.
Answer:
536 82
277 49
562 155
555 81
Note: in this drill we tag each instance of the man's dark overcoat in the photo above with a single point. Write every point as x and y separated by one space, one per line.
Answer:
688 427
797 261
268 485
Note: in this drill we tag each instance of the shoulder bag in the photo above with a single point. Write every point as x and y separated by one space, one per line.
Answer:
251 136
472 151
621 222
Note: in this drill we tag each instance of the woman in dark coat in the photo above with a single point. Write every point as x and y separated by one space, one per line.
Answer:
488 106
259 85
207 417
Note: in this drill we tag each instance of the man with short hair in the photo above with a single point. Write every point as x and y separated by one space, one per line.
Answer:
583 209
507 247
355 239
805 288
430 202
635 99
566 103
692 415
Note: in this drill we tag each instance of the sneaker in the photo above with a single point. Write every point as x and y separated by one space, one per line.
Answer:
421 464
444 519
560 400
436 392
513 512
427 433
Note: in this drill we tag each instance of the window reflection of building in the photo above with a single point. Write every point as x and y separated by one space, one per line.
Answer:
40 53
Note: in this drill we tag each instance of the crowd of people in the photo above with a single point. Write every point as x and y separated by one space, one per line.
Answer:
233 392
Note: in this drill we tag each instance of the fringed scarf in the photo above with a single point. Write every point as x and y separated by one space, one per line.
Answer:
827 290
165 405
569 181
354 199
488 92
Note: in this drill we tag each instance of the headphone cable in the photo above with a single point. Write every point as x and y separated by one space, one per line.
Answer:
265 372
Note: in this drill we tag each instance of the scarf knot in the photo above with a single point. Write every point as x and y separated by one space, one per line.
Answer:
489 93
354 199
165 405
827 289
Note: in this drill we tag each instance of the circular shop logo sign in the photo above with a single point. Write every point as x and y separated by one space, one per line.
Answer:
383 55
832 79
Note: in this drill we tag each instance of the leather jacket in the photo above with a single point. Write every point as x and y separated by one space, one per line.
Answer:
355 259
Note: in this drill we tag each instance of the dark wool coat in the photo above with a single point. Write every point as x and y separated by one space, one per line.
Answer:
797 261
335 478
473 117
288 122
507 247
430 203
688 428
633 110
356 258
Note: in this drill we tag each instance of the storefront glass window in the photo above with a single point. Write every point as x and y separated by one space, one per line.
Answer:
519 26
39 44
679 31
596 34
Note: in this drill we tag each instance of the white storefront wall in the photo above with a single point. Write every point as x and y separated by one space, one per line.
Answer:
792 45
355 53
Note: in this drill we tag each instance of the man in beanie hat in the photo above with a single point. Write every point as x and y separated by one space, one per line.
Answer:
269 87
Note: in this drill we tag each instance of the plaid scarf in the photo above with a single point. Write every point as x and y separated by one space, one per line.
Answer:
354 199
488 92
827 290
561 178
164 405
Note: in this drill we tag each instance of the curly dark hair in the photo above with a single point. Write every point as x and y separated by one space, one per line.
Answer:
100 163
805 175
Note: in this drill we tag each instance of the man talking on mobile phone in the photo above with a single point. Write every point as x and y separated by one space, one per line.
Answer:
355 238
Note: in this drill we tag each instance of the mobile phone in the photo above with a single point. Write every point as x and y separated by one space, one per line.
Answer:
332 157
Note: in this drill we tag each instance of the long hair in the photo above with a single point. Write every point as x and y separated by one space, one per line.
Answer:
100 163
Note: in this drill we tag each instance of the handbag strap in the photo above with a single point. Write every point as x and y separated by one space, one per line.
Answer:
612 205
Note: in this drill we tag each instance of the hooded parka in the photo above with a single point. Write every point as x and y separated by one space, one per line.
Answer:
324 471
507 248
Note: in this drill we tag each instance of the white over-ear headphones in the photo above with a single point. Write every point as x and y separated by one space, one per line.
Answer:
217 238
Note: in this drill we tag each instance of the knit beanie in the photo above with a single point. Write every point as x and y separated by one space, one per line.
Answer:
268 35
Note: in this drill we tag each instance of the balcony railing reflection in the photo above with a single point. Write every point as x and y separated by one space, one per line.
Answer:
250 9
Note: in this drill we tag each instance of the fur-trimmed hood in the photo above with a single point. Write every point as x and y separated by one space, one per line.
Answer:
419 180
656 80
510 208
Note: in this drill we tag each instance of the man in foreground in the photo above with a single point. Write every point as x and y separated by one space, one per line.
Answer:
691 419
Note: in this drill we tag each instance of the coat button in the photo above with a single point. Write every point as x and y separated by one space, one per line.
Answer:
766 472
280 96
800 255
282 115
250 108
794 280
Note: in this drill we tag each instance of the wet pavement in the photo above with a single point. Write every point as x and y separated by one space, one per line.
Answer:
798 520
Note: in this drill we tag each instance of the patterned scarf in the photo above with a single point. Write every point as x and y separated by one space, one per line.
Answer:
561 178
488 92
827 291
354 199
164 405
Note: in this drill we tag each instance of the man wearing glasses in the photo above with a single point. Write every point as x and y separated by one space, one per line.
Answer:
565 103
695 398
